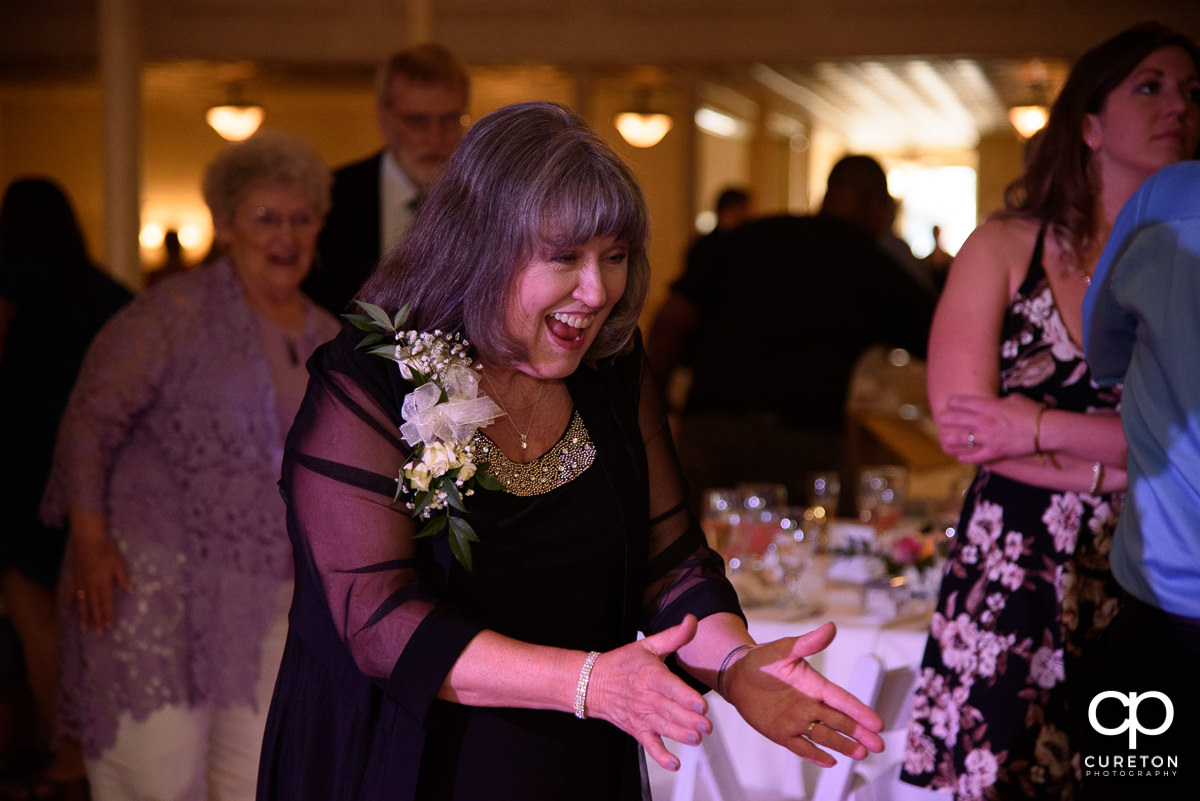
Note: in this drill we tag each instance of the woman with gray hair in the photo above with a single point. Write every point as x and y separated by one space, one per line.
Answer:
178 572
486 517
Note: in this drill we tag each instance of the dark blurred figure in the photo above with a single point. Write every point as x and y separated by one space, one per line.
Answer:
938 261
53 299
858 192
694 295
173 261
800 301
421 98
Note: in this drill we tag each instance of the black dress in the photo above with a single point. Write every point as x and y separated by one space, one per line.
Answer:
379 618
1026 597
58 308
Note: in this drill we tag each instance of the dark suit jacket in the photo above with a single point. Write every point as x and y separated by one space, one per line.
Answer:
348 248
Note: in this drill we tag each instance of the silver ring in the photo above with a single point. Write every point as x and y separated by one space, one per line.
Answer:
970 439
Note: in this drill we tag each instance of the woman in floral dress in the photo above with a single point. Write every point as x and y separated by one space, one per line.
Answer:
1027 590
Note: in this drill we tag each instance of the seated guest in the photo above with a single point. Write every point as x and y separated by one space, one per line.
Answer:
441 655
1141 327
421 101
178 573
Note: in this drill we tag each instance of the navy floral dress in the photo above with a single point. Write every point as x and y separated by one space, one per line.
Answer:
1026 594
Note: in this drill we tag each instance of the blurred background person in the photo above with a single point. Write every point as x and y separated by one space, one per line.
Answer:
53 300
857 192
938 261
1027 593
1141 327
800 300
173 261
693 298
178 573
421 96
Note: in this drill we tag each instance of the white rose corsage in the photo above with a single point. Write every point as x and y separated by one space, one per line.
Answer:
441 416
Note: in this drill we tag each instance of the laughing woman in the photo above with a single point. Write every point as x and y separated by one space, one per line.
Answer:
496 657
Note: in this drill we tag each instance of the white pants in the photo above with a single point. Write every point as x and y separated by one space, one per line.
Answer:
182 753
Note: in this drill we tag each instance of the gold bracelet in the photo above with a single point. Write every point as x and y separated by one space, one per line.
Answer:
1097 477
1037 431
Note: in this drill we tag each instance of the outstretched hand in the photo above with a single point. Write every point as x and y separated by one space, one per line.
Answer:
791 703
632 689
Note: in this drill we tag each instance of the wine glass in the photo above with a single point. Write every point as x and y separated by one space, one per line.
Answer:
761 502
824 489
719 512
791 549
881 492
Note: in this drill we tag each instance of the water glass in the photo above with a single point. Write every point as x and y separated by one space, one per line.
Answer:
719 513
881 491
791 550
824 489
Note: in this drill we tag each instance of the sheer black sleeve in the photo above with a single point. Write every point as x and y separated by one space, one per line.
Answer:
340 470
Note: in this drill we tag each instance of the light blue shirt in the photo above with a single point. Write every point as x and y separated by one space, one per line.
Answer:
1141 324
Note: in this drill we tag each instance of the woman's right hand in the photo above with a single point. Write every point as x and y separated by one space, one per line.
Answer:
631 688
97 566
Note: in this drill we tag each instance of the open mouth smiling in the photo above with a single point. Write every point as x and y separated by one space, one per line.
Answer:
569 327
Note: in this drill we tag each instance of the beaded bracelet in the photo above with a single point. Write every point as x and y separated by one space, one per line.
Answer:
725 664
581 688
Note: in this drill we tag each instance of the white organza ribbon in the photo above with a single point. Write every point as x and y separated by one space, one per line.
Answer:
452 421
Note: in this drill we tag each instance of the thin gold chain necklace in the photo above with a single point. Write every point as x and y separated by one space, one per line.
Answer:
532 415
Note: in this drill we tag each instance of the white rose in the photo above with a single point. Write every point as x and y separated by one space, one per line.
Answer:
466 470
439 458
418 475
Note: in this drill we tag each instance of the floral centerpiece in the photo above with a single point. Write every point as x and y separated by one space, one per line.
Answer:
441 416
905 558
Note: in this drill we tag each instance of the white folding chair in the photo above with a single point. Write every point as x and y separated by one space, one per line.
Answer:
889 693
707 765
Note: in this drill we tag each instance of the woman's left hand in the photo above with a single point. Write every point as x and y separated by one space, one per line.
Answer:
976 429
791 703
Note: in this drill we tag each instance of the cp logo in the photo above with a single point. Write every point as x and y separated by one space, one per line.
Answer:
1131 700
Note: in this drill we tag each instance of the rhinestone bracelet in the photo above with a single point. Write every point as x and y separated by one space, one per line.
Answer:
581 688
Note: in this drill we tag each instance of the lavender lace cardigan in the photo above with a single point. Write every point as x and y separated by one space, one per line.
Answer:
171 431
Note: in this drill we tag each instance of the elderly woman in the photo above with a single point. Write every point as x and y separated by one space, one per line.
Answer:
178 571
452 639
1027 594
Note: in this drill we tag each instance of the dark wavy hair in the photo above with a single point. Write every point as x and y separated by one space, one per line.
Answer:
38 223
1056 186
524 176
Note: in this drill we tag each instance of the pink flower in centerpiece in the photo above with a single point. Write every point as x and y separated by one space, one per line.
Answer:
906 549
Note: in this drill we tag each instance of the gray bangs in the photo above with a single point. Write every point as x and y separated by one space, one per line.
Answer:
591 200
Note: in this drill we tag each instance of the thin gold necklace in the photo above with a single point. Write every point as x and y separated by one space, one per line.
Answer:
532 415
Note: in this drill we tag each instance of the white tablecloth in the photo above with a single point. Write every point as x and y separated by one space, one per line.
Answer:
769 771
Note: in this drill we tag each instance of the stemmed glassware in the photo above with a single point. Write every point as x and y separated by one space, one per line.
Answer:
791 549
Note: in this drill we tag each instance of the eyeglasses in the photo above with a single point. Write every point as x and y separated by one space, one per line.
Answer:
265 220
425 123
